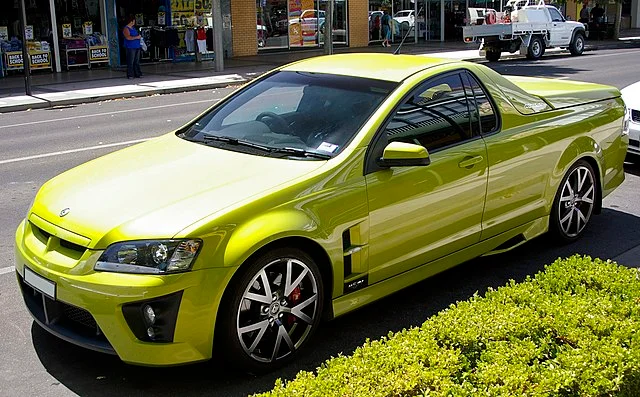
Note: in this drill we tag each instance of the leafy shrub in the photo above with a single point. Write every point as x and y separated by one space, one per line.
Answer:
572 330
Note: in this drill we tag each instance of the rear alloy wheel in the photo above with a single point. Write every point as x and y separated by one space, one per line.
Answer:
536 48
574 202
492 56
577 44
274 309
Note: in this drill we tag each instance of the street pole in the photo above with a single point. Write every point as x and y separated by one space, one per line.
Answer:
25 52
218 51
328 29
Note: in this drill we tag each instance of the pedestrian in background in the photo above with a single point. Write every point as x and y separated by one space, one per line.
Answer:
386 29
132 44
584 13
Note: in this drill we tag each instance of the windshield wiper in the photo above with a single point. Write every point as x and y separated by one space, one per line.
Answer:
301 153
235 141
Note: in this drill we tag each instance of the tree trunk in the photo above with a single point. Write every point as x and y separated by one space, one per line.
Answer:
616 28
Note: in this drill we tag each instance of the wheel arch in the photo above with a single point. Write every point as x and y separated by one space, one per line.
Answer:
317 252
580 149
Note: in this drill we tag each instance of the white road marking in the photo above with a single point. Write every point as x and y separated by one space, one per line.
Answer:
611 55
106 114
39 156
5 270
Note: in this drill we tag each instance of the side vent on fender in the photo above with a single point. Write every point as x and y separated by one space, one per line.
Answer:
354 260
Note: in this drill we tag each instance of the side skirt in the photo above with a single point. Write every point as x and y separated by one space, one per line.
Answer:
364 296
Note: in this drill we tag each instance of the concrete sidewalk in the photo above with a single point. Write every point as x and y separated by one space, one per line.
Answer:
82 86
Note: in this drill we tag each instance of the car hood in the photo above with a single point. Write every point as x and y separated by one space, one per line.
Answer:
631 96
158 188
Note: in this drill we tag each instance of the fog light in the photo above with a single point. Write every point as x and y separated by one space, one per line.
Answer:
149 314
151 333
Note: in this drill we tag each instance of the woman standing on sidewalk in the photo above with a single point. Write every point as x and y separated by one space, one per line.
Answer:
132 44
386 29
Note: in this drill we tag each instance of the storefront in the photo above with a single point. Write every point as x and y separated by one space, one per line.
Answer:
290 24
40 31
61 34
170 28
430 20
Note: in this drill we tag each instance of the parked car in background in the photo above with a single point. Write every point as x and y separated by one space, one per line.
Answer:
406 18
308 193
631 97
309 20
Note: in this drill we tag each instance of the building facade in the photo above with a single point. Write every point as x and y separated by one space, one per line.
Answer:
66 34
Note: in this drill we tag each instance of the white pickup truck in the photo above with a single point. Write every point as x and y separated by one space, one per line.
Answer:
522 27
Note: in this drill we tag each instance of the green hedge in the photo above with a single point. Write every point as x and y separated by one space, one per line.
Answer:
569 331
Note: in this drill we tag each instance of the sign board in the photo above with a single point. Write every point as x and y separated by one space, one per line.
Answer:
139 19
14 60
28 32
66 31
162 18
4 33
40 59
87 28
99 53
226 21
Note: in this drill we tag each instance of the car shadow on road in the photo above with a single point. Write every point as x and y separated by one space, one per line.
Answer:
93 374
632 166
524 67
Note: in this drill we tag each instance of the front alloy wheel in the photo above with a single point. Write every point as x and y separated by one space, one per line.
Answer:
277 306
574 202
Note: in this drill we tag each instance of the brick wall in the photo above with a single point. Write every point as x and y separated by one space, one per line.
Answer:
243 21
358 23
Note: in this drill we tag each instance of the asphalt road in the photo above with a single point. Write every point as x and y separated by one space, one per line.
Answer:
37 145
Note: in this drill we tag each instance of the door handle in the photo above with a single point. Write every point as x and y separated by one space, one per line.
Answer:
469 162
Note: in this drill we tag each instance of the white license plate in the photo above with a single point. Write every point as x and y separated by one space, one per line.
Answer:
40 283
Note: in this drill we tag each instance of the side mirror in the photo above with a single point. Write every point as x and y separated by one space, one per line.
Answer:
400 154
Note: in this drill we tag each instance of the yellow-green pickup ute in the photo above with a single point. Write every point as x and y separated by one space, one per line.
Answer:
312 191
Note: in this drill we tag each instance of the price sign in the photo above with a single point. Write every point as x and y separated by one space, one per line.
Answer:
99 53
28 32
66 30
4 33
87 28
162 18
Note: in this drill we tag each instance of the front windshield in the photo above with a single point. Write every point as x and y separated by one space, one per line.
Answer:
290 114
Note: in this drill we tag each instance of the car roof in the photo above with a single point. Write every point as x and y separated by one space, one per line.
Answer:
367 65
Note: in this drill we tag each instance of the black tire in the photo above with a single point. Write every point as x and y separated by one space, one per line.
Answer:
574 203
536 48
493 55
577 44
258 337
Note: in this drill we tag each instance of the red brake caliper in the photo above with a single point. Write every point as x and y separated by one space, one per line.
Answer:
294 298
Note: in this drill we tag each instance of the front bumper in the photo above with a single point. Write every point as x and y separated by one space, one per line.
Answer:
87 308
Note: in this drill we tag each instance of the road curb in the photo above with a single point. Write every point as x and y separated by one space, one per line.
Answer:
45 104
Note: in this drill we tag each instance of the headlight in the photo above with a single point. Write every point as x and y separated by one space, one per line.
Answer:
625 122
149 256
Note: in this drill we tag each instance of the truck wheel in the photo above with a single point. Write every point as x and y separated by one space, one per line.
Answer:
577 44
536 48
492 56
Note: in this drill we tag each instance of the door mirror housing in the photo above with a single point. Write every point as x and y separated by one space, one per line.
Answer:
401 154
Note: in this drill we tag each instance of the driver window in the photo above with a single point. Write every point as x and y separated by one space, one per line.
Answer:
555 15
279 100
436 115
